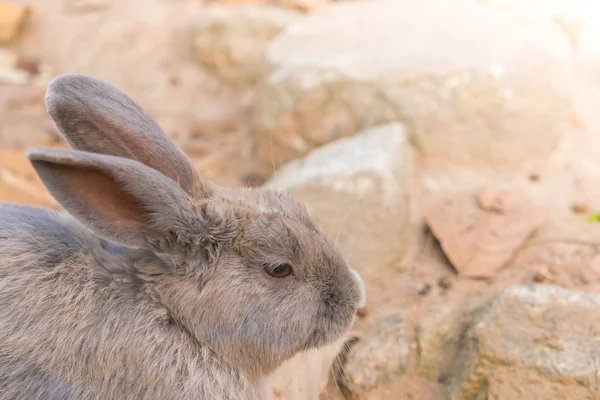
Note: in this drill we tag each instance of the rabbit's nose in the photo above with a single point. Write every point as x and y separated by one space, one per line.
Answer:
362 288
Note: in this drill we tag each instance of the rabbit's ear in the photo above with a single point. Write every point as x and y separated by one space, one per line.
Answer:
119 199
97 117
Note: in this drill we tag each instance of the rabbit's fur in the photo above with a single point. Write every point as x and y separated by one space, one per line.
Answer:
159 290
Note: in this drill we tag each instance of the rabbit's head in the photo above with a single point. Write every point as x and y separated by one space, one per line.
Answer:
245 272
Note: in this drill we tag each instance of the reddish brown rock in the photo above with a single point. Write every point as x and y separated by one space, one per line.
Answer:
480 235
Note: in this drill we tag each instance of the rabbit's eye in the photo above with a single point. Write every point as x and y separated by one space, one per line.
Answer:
280 271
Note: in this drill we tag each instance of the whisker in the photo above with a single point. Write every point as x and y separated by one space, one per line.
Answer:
272 154
344 221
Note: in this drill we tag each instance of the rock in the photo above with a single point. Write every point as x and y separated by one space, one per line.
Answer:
379 356
581 23
542 273
445 282
10 74
21 100
17 70
540 340
13 17
299 5
576 17
438 338
230 40
479 239
580 208
355 189
490 90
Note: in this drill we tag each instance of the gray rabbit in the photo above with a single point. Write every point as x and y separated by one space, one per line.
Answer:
162 286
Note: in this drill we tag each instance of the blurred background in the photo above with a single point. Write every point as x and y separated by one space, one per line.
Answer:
449 147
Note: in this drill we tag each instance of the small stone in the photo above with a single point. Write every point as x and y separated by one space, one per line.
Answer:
445 282
543 274
534 177
362 312
490 200
380 355
424 290
175 80
539 277
579 208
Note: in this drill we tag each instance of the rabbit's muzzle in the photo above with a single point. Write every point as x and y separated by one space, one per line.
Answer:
363 290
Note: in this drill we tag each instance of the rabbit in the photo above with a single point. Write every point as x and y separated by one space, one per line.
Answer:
154 283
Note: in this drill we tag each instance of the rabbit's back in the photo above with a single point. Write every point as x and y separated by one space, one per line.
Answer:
36 249
35 238
76 321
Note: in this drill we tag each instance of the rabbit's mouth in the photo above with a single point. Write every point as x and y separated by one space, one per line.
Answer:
320 338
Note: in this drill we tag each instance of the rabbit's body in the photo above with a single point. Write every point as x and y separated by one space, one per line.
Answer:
158 285
93 328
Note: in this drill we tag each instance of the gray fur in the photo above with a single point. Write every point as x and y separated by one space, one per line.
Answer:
95 116
158 289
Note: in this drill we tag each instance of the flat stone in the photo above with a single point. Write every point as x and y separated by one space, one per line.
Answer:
481 234
538 340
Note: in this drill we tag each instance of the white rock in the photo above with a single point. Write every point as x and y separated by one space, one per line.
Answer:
474 83
230 40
